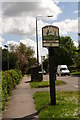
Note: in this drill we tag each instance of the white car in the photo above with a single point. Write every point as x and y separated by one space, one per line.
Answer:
62 70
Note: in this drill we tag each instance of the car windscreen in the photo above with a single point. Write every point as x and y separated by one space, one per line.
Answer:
63 69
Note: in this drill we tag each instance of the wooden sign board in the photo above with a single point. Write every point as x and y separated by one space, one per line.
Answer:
50 36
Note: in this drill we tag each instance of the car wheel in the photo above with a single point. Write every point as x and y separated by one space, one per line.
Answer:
57 74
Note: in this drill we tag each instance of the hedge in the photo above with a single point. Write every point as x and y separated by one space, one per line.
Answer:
10 79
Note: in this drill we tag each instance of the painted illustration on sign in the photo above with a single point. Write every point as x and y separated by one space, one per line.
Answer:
50 36
50 33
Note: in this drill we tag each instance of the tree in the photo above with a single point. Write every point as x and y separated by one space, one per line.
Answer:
66 53
30 56
25 57
19 57
22 48
77 64
13 61
0 58
4 59
79 46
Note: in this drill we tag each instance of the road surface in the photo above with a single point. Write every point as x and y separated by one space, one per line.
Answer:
73 83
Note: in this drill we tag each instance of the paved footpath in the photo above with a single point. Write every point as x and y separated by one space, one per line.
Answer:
21 105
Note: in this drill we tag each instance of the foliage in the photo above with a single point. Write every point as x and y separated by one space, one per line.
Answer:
19 57
66 105
13 61
0 93
31 62
9 57
25 57
10 79
65 54
22 61
4 59
77 64
79 45
45 83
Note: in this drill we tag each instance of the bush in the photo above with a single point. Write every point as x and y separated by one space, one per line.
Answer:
16 76
10 79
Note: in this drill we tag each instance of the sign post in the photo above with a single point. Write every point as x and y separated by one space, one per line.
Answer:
52 76
50 36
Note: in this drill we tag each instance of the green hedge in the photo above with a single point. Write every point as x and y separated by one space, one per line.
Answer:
10 79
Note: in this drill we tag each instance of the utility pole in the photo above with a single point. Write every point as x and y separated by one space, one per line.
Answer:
37 37
37 43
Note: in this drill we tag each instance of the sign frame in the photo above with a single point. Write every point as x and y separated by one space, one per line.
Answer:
54 42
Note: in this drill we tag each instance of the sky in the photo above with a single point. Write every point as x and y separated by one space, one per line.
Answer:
18 21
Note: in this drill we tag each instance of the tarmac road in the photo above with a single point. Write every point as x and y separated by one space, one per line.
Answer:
73 83
70 80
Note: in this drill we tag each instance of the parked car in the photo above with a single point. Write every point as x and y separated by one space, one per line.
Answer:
62 70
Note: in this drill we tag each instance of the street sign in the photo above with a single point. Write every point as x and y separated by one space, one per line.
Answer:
50 36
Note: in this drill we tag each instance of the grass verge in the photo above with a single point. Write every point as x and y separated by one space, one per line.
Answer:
66 105
45 83
75 73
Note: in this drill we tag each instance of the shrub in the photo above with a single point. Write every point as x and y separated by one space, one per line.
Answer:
10 79
20 74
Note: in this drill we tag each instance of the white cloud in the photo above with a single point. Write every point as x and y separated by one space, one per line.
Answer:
12 42
67 25
79 25
19 18
41 51
28 42
0 25
31 8
56 1
76 11
19 25
66 1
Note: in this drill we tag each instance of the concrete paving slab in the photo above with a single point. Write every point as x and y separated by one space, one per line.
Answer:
21 104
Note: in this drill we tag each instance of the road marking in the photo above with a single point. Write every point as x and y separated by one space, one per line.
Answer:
76 86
